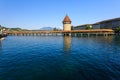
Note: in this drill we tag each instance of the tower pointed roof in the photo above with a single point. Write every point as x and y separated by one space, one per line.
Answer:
66 19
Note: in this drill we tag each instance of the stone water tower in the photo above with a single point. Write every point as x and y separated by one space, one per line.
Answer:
67 23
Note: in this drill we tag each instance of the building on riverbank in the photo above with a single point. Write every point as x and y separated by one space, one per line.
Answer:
106 24
2 32
96 26
82 27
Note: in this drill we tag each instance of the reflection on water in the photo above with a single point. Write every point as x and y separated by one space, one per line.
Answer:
67 43
0 44
117 40
106 38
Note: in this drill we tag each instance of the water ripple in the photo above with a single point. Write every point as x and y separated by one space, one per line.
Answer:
59 58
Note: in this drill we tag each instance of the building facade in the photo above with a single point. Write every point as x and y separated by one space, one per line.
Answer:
96 26
81 27
107 24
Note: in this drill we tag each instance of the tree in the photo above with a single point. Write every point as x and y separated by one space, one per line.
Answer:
117 29
89 27
55 29
72 27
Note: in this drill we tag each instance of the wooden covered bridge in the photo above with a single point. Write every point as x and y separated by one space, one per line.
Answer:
92 32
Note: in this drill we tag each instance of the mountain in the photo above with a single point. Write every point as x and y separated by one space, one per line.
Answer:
46 28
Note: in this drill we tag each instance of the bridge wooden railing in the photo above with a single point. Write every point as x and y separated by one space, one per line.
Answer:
72 31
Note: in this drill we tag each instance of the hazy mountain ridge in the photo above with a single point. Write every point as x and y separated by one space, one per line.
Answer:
46 28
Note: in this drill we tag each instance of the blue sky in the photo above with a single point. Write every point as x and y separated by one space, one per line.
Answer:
34 14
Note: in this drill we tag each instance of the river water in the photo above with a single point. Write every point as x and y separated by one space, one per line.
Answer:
59 58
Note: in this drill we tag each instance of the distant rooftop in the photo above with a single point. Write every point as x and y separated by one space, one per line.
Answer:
114 19
108 20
